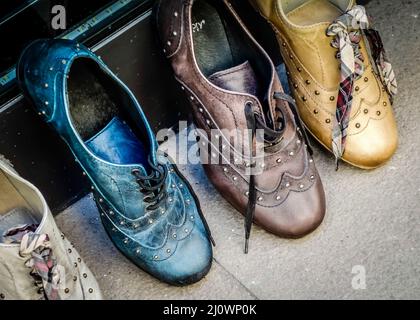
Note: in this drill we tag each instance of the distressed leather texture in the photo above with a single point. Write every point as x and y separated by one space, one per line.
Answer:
16 283
292 201
314 77
169 242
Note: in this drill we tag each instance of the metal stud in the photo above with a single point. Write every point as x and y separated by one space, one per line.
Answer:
75 264
332 98
260 199
304 98
312 177
298 141
357 88
278 198
317 93
186 230
192 217
74 278
299 69
156 257
168 251
385 104
101 200
66 290
287 184
90 290
308 82
378 113
150 221
170 199
295 85
235 178
301 186
357 125
199 109
247 193
366 79
176 14
284 44
181 185
291 57
366 111
63 61
69 250
291 153
328 120
174 186
311 160
208 122
138 251
316 111
223 146
136 226
79 259
175 33
263 165
225 170
174 236
168 43
85 275
125 240
46 103
122 222
278 160
46 85
51 68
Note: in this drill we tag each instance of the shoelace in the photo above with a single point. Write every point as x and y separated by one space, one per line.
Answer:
41 261
348 31
153 185
272 139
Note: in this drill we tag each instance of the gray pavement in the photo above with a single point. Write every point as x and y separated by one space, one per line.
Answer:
373 218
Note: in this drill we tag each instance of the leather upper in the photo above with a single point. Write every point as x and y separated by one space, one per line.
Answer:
314 75
161 241
289 191
16 283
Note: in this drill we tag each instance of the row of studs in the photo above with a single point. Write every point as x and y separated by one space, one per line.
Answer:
332 98
174 33
285 184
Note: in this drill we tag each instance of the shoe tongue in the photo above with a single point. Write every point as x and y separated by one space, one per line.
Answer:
241 79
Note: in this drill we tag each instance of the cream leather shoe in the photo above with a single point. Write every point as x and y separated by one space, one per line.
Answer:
36 260
340 76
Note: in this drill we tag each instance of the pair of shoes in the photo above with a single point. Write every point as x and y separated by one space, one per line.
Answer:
36 259
341 77
147 207
268 173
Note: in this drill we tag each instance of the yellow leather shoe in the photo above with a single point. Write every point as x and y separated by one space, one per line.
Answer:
339 75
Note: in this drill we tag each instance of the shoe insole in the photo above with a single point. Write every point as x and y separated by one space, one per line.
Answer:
14 210
116 143
211 44
91 107
314 11
10 198
14 218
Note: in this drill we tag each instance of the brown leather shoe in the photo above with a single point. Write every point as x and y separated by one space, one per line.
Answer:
232 85
339 74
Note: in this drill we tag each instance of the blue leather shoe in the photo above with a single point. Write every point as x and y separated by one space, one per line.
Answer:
147 207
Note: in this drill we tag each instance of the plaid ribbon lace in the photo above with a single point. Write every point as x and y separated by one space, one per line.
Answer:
348 30
36 247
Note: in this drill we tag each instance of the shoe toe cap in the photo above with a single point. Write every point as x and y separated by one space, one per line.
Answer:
300 214
374 145
190 263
